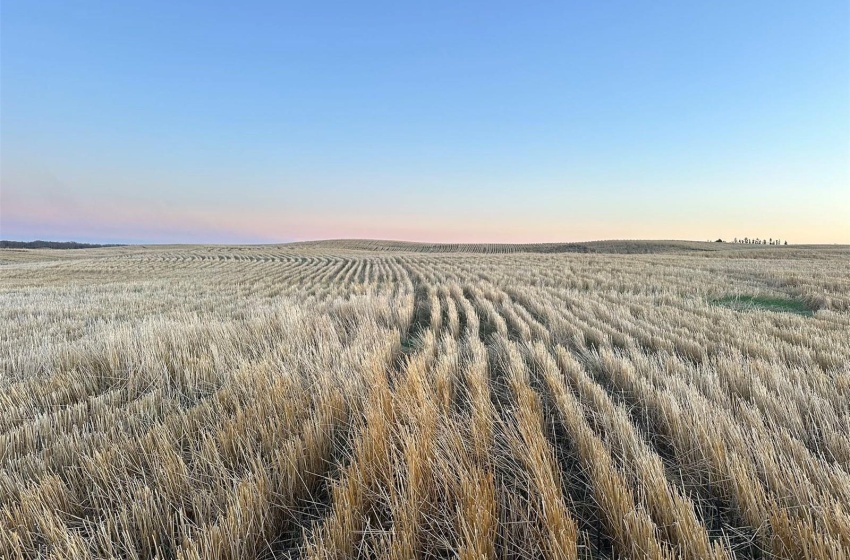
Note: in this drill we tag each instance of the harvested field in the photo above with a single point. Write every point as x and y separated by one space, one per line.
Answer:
365 400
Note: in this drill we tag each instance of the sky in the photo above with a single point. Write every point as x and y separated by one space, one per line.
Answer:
264 122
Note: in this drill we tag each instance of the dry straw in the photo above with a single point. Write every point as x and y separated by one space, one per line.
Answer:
367 399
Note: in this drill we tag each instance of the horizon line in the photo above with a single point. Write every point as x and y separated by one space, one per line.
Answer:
105 244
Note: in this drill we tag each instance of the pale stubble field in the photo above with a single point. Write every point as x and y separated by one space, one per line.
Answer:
389 400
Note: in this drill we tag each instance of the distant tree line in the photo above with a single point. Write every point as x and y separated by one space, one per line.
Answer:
39 244
757 241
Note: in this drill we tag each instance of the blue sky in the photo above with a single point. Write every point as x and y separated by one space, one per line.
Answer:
263 122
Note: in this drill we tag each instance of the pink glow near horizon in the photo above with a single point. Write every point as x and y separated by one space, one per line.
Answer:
107 221
32 210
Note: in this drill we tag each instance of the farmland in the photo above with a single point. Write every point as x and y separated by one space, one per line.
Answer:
356 399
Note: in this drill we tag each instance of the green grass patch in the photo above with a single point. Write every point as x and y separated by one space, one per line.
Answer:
750 303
